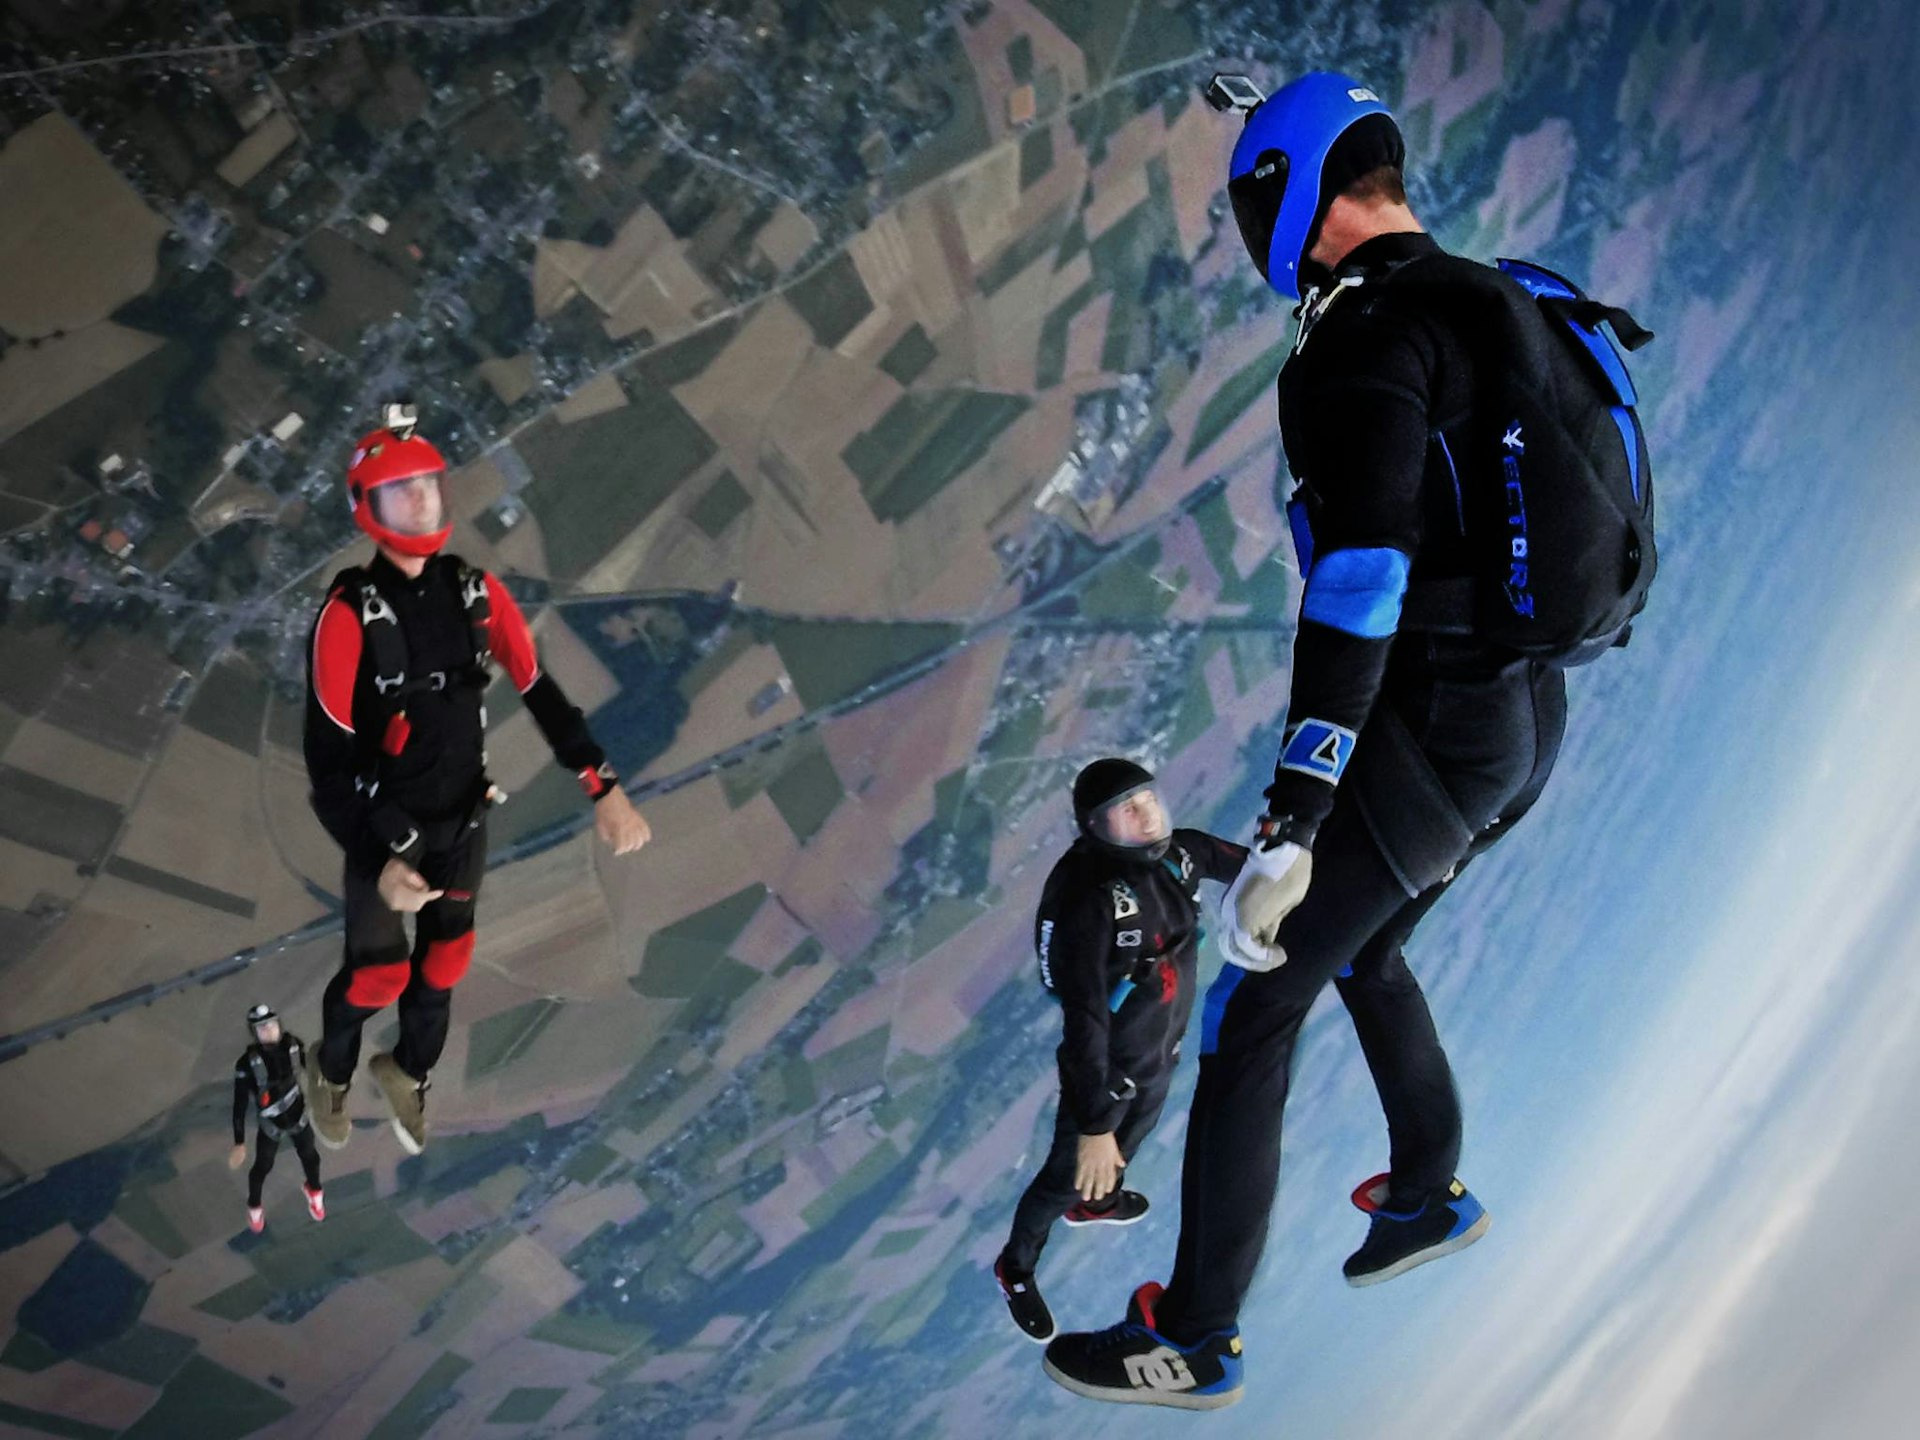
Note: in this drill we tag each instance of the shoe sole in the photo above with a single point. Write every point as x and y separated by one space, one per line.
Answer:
1169 1399
379 1071
1046 1339
331 1143
1419 1258
407 1142
1082 1224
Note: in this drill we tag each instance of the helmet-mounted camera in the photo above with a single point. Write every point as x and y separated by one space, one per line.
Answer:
1234 93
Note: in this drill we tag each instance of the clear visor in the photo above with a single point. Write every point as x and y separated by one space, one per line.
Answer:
1134 819
1256 198
409 507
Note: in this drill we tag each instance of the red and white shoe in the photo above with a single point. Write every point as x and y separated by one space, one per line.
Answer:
316 1204
256 1218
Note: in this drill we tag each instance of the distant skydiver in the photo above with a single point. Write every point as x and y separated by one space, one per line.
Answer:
1117 935
266 1080
1472 514
395 737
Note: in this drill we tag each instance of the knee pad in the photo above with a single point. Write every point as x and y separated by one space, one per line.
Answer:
446 961
373 987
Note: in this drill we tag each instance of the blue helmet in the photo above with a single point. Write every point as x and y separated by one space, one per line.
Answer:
1274 178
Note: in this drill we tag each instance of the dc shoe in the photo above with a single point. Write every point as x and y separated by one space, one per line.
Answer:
1025 1302
256 1218
1132 1363
1399 1240
316 1202
1123 1207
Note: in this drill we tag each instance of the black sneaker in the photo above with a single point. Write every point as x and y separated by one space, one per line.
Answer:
1132 1363
1123 1207
1025 1302
1399 1240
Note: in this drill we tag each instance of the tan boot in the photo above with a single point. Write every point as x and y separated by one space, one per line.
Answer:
406 1097
327 1106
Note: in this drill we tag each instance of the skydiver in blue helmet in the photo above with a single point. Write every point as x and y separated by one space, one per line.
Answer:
1471 512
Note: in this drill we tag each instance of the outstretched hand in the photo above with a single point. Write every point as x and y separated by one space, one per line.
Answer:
623 828
1270 885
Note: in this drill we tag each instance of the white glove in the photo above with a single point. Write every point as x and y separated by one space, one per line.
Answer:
1268 887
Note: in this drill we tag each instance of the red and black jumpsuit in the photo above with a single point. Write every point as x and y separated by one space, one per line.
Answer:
415 790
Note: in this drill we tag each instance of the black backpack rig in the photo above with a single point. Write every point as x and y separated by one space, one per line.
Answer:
1552 481
386 644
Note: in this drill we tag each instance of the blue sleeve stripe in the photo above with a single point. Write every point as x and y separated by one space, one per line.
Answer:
1302 530
1623 417
1358 591
1215 1005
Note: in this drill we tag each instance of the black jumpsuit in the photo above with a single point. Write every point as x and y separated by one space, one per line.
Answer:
427 807
1450 742
1118 944
281 1109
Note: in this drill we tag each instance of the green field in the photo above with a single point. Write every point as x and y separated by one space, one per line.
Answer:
1036 154
830 660
1028 247
586 1330
689 959
807 791
898 1242
1230 401
682 360
925 441
832 300
908 357
525 1405
726 500
1123 259
239 1300
963 132
145 1353
1125 589
595 481
1050 364
499 1039
1020 59
1098 27
852 1066
431 1394
208 1402
872 1166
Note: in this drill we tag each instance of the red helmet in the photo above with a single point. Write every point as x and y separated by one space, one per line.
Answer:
401 517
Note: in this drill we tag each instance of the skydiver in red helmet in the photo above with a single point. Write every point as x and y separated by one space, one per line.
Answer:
400 656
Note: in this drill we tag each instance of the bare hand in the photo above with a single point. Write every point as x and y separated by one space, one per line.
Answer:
236 1157
405 889
622 827
1097 1175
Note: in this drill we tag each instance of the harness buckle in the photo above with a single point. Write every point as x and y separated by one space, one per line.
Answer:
384 683
374 607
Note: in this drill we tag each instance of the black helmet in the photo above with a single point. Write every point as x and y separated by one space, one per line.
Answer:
259 1014
1099 787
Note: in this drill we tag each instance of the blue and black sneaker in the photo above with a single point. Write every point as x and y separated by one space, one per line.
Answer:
1398 1240
1132 1363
